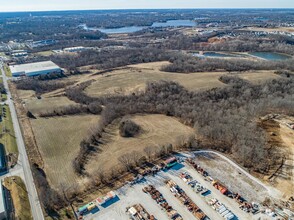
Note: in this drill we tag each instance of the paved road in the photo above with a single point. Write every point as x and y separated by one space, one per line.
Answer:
23 166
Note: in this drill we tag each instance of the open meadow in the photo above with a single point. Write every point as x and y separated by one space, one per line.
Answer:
158 130
45 104
133 78
59 141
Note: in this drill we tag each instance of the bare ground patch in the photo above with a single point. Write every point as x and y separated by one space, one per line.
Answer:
283 137
231 177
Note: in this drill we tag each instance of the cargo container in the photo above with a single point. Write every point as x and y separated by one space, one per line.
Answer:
82 210
91 206
170 162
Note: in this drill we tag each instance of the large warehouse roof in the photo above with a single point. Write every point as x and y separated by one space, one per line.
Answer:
33 67
2 201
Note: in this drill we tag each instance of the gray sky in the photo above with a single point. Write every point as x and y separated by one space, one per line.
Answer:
43 5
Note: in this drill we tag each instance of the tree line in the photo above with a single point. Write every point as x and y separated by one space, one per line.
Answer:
223 117
182 63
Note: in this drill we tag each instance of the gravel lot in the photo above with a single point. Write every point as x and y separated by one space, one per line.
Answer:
131 195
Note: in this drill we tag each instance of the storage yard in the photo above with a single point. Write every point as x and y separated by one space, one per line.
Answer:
181 190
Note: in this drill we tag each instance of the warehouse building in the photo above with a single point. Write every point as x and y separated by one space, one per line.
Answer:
34 69
2 203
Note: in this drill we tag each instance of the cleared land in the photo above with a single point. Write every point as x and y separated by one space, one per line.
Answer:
158 130
281 135
47 104
281 29
133 78
26 94
231 177
258 76
19 196
7 137
59 141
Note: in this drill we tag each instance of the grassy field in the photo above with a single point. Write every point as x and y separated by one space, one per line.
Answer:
59 141
282 29
7 71
135 77
19 196
46 53
7 137
47 104
26 94
158 130
258 76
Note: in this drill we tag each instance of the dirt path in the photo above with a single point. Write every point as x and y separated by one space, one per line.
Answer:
287 136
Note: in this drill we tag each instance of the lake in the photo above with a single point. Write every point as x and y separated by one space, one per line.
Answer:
270 55
132 29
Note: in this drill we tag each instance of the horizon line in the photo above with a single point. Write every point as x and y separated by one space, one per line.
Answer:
122 9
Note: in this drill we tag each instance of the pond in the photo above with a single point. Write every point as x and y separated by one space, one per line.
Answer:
132 29
270 56
216 55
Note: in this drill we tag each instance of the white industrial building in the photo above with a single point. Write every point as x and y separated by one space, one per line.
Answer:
34 69
74 49
2 203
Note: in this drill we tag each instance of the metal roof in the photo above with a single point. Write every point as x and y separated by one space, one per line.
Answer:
33 67
2 205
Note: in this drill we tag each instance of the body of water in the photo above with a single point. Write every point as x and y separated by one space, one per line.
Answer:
123 30
175 23
215 55
132 29
270 56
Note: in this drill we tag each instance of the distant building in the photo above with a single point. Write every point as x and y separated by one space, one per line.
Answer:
40 43
34 69
74 49
3 214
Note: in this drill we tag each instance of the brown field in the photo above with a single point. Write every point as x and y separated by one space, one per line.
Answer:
135 77
259 76
26 94
284 178
59 140
282 29
158 130
47 104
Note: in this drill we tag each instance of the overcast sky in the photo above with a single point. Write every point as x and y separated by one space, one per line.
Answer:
47 5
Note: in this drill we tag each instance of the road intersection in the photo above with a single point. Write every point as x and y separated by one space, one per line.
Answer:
22 168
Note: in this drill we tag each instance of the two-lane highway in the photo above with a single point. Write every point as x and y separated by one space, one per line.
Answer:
23 158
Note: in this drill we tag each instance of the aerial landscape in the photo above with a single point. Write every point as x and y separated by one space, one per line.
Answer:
147 111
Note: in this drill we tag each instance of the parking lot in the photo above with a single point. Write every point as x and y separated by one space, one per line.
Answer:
132 194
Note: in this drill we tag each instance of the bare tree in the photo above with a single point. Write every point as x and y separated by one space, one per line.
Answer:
149 151
126 160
